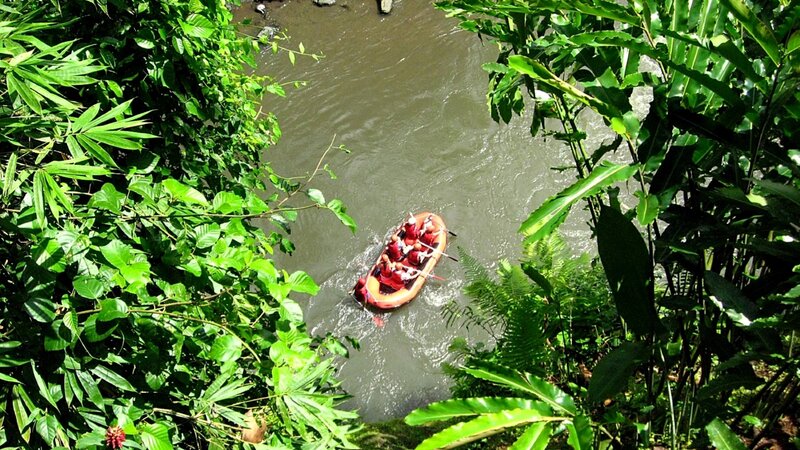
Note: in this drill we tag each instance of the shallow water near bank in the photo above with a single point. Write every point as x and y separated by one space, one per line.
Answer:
406 95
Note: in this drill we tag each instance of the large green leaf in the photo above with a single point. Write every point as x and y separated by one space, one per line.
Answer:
554 210
340 210
580 433
183 192
629 269
525 382
722 437
485 425
535 437
612 373
453 408
155 436
300 282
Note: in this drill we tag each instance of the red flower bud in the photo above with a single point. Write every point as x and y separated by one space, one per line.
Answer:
115 437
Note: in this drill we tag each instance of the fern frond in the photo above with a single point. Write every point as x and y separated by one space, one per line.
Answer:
524 343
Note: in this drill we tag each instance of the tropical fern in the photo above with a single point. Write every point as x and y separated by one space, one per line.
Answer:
552 300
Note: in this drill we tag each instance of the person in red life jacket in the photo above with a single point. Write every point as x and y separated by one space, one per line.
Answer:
361 292
417 257
410 232
395 249
394 278
429 235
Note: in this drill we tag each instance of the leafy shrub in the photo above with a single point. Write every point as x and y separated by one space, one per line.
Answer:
708 289
138 300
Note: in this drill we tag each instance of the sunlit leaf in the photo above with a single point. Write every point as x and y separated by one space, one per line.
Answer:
554 210
722 437
450 409
483 426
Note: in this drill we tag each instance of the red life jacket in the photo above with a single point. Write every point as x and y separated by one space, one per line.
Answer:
394 251
395 281
416 257
411 232
429 238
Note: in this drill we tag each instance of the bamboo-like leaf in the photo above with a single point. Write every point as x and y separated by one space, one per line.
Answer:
26 94
722 437
461 407
44 390
21 411
71 168
58 194
485 425
758 29
8 176
554 210
536 437
525 382
86 117
114 139
38 197
113 378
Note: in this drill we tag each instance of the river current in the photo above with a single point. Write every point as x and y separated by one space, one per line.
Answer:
405 93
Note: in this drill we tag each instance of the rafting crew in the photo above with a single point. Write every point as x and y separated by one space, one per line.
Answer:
408 251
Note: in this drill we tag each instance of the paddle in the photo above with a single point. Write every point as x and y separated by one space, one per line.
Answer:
430 275
437 250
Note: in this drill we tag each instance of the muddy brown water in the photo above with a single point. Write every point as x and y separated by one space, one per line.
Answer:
405 93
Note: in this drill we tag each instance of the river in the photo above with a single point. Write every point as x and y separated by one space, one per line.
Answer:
405 93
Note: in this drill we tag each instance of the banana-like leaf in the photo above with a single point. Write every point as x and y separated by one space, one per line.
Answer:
449 409
722 437
629 269
525 382
485 425
554 210
612 373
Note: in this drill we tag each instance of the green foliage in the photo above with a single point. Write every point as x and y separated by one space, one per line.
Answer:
134 289
549 305
545 416
708 285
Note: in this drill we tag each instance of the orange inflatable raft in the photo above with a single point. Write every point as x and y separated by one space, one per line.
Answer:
380 297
